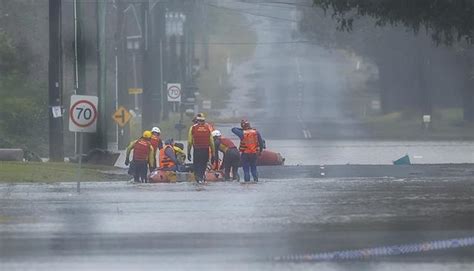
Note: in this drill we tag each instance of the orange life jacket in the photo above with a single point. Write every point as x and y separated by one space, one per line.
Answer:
155 141
249 143
201 134
165 161
226 144
141 150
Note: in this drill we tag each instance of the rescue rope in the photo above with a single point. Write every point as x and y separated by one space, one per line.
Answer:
360 254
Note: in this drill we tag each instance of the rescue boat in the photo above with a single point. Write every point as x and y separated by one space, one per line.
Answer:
166 176
270 158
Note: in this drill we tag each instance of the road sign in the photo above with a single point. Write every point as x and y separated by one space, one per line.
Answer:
206 104
135 90
174 92
83 114
121 116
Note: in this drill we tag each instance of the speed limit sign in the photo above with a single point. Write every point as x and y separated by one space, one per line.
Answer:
174 92
83 114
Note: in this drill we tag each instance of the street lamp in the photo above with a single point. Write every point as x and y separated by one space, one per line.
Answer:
133 44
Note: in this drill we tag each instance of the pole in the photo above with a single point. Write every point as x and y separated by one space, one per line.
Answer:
162 83
116 98
102 73
56 140
80 64
134 63
79 169
147 64
123 96
76 70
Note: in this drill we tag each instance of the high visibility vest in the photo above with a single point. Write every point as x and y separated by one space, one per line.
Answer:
141 150
165 161
249 143
226 144
201 134
155 141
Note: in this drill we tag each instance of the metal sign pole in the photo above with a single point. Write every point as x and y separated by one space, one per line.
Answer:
80 164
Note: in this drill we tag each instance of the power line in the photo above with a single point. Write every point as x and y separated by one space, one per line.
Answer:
250 13
251 43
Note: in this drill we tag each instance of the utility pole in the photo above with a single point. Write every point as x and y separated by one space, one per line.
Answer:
79 63
102 74
121 47
157 32
56 140
147 106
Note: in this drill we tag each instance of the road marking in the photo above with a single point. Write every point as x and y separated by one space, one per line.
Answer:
306 133
360 254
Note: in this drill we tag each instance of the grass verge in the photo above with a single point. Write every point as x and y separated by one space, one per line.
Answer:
57 172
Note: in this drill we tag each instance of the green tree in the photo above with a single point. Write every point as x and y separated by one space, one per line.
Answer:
412 70
447 20
23 120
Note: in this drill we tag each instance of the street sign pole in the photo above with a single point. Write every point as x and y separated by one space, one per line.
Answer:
83 116
79 168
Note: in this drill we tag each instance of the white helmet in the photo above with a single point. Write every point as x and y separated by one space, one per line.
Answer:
156 130
216 133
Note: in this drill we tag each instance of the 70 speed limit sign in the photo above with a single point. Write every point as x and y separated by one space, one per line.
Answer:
83 114
174 92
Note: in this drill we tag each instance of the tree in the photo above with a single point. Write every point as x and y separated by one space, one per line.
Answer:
411 68
447 20
22 108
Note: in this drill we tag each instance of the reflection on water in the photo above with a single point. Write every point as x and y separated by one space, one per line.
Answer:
321 152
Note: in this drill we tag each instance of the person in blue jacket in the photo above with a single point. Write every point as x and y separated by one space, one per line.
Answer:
251 146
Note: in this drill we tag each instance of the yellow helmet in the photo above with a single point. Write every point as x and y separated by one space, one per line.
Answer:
147 134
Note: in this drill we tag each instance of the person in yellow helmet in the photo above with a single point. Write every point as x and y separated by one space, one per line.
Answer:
143 156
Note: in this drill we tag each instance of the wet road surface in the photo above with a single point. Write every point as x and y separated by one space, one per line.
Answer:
290 89
119 225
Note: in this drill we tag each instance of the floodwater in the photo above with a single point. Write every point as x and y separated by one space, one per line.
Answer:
119 225
371 152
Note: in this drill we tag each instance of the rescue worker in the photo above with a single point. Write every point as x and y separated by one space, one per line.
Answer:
156 141
200 139
231 159
142 157
180 154
168 159
251 146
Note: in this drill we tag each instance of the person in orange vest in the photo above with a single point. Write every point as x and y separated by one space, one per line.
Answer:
142 157
251 146
168 159
231 159
200 140
156 141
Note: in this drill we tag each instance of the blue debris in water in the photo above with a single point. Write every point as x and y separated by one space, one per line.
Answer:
405 160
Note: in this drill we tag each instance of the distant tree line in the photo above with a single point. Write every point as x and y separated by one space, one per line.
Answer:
422 48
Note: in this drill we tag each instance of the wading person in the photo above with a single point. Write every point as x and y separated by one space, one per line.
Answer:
156 141
231 158
251 146
200 140
143 155
168 159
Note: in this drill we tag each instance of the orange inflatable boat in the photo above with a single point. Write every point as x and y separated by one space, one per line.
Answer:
163 176
269 158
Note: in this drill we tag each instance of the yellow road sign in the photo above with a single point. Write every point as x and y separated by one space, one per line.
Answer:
135 90
121 116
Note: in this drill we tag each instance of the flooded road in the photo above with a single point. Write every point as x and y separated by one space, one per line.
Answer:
232 226
371 152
